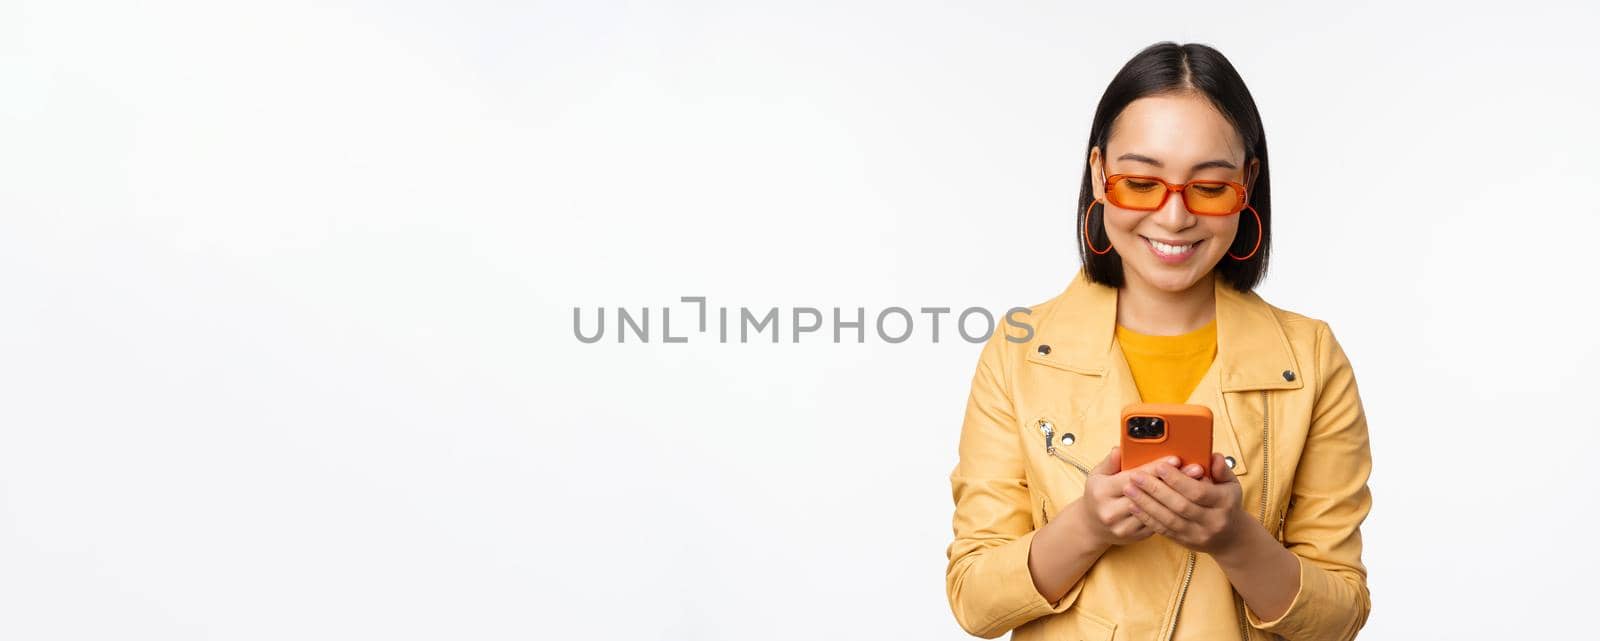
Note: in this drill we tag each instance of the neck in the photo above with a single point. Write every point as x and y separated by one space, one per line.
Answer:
1146 309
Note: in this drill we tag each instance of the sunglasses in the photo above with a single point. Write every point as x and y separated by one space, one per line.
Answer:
1201 197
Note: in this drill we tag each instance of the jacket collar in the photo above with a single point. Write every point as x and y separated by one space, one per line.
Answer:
1253 350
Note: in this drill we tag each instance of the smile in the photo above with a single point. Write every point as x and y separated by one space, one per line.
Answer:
1170 253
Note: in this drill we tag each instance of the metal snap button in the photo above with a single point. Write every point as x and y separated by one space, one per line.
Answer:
1229 460
1288 375
1044 350
1068 438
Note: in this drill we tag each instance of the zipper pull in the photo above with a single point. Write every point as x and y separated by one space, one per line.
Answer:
1049 436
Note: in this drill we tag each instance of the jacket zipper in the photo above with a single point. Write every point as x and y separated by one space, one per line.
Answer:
1188 573
1266 482
1266 457
1050 446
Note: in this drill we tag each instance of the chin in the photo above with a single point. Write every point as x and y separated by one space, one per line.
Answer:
1173 285
1170 279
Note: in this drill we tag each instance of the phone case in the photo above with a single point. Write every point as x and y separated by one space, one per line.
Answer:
1187 435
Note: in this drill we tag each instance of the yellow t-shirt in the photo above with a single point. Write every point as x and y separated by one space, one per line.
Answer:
1167 368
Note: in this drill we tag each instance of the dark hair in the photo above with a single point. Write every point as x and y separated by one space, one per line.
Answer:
1167 68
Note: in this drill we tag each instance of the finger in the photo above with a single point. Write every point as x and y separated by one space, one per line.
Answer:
1192 490
1162 519
1126 476
1111 464
1220 472
1142 523
1158 490
1133 524
1129 525
1194 470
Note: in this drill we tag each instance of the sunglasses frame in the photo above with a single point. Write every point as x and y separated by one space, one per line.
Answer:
1113 179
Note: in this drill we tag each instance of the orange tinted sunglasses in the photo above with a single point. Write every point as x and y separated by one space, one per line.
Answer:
1201 197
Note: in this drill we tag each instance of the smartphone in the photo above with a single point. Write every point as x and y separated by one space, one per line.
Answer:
1153 430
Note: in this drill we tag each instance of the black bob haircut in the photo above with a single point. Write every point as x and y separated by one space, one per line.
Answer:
1167 68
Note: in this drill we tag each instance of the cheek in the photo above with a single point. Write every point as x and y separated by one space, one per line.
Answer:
1223 230
1121 222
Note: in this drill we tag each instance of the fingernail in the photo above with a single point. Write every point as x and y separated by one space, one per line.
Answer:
1172 460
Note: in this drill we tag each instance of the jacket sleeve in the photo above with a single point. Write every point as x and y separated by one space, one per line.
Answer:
987 580
1329 502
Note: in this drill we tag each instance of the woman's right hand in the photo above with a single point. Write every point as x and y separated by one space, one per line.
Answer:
1105 510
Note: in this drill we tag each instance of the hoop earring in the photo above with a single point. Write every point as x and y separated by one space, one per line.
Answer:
1259 230
1086 215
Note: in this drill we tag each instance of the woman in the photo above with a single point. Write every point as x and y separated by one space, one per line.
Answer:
1052 538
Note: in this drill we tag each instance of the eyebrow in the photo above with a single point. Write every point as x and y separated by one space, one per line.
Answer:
1151 161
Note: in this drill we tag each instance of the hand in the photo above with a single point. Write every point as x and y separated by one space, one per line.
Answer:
1107 512
1201 514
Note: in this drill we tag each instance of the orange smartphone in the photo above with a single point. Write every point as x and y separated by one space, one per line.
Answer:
1153 430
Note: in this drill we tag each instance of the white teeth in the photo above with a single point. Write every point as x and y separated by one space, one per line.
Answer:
1169 250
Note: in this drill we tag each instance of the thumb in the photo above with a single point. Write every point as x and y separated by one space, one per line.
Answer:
1111 464
1220 473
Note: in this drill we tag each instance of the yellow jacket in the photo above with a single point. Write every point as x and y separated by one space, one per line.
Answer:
1287 413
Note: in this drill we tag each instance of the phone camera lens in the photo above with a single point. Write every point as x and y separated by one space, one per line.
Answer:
1143 427
1146 427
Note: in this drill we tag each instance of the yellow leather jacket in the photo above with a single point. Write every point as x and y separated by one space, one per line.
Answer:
1042 412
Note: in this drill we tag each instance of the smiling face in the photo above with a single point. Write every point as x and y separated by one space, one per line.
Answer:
1177 138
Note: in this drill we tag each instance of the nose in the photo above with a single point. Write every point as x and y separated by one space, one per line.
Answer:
1174 215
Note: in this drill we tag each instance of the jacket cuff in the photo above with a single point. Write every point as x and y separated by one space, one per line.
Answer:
1305 619
1015 582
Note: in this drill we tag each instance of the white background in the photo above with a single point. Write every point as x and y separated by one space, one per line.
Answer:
286 343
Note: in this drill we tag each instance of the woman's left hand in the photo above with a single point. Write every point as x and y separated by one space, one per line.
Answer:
1201 514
